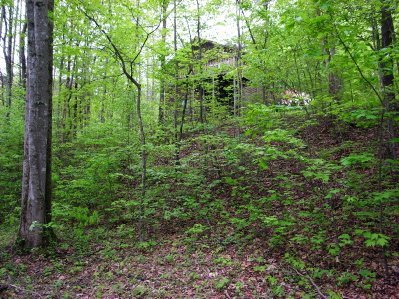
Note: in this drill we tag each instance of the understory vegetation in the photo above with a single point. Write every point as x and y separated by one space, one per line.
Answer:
169 181
274 204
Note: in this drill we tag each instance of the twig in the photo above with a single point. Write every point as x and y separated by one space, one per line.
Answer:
21 289
312 282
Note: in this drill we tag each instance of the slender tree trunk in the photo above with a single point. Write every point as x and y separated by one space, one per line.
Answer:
176 91
8 56
239 82
8 19
67 110
334 80
144 155
104 98
183 115
200 87
59 109
161 116
36 185
176 97
22 58
2 88
128 72
75 113
1 73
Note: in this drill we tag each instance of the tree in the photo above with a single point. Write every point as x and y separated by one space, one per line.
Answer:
386 65
36 181
162 59
127 64
10 15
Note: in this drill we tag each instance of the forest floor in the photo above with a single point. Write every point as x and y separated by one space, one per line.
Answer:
108 261
174 268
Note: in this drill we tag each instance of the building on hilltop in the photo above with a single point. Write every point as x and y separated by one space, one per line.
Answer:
210 77
209 74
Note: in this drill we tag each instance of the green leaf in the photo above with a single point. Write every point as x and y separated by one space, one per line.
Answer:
362 159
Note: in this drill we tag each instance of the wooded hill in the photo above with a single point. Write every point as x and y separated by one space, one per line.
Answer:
142 157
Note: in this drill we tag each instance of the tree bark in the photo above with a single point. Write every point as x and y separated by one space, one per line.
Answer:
387 76
36 185
387 32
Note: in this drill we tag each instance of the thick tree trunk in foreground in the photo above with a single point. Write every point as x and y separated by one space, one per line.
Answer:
36 185
387 78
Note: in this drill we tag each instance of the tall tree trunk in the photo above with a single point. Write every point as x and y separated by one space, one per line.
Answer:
22 58
161 116
67 120
176 75
238 60
75 113
104 98
2 88
387 76
59 97
36 185
334 80
200 87
8 19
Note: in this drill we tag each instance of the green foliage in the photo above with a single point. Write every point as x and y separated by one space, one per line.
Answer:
373 239
333 295
362 160
260 269
196 230
347 278
368 277
284 136
365 118
79 215
222 283
260 118
304 181
345 240
319 169
277 289
146 245
11 156
333 249
140 291
223 261
294 261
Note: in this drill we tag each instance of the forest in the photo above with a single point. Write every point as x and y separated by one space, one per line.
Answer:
199 149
